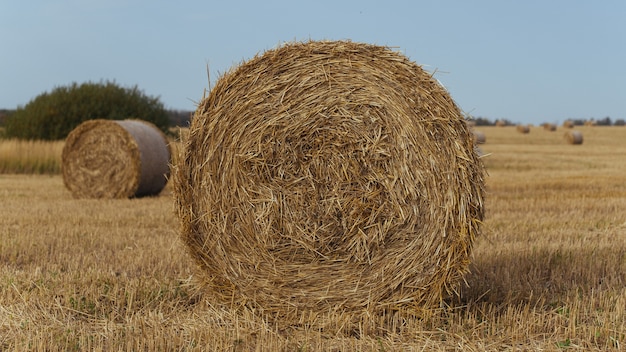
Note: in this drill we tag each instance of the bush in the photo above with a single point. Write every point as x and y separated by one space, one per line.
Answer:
52 116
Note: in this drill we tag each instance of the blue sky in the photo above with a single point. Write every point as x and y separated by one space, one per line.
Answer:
528 61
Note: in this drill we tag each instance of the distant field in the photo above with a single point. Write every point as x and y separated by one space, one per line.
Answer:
549 271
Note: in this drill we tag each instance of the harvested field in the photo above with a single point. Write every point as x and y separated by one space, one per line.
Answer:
547 274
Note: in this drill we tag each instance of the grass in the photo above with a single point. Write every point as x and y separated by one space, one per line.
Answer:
30 157
549 271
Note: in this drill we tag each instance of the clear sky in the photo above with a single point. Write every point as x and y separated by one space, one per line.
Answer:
527 61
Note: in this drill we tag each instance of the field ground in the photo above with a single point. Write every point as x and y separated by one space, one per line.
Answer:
548 274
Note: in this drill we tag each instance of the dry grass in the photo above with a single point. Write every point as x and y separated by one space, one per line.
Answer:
30 157
548 274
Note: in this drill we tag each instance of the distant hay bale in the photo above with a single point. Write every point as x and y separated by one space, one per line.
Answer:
115 159
574 137
479 137
500 123
568 124
523 129
590 123
329 176
549 127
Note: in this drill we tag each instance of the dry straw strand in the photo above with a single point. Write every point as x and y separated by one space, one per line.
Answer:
115 159
329 176
574 137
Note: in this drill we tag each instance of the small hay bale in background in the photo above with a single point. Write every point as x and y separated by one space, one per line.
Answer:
549 127
470 123
568 124
329 177
523 128
590 123
500 123
115 159
574 137
479 137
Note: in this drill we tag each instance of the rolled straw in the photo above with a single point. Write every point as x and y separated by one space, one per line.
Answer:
115 159
329 176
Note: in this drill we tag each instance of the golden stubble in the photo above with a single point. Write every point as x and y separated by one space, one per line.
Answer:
548 273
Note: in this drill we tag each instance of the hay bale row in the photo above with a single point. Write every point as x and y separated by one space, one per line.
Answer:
312 180
115 159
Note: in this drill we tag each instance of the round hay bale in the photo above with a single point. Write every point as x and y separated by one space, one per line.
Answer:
549 127
115 159
500 123
574 137
523 129
479 137
568 124
329 176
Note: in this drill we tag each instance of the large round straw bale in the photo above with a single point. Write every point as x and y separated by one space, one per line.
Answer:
115 159
574 137
523 128
329 176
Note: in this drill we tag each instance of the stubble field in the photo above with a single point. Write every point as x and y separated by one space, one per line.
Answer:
548 273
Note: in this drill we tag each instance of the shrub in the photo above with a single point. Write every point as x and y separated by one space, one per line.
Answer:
52 116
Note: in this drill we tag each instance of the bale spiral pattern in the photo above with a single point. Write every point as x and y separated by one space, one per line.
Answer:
329 175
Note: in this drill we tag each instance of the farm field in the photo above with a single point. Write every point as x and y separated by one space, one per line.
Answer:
548 273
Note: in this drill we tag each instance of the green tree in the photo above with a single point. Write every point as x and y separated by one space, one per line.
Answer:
52 116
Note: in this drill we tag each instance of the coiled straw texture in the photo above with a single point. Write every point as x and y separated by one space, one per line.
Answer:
329 176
